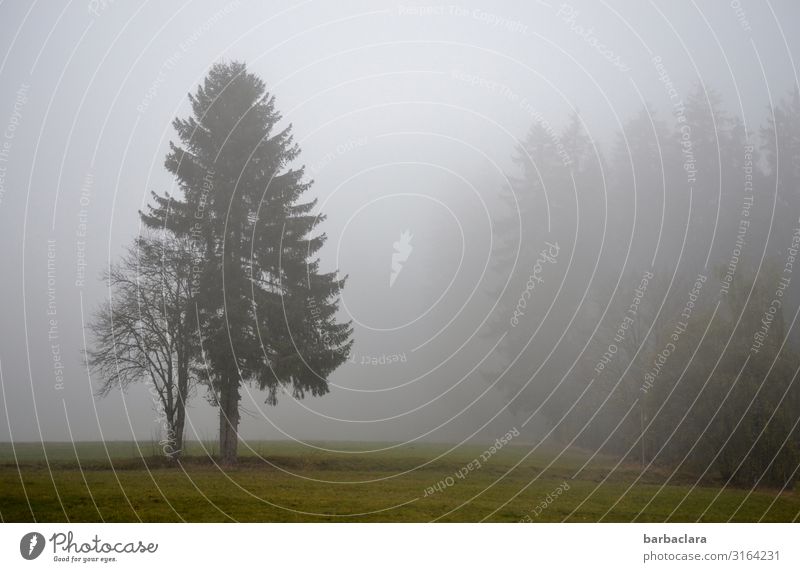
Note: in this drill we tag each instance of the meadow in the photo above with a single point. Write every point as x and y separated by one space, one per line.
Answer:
287 482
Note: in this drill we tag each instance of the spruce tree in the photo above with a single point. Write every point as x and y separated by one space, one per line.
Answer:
266 311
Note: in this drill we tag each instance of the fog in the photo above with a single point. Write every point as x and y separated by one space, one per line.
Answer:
410 119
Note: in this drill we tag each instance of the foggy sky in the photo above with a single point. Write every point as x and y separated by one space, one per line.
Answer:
407 116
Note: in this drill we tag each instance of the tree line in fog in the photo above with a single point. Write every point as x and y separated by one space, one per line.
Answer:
664 334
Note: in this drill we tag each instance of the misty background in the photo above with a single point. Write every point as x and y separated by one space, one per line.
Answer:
409 118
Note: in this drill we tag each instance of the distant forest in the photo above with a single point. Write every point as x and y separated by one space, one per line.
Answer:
678 347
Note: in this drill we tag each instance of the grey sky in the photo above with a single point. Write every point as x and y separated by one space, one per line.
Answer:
400 109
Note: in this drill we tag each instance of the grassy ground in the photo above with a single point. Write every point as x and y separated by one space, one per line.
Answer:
280 481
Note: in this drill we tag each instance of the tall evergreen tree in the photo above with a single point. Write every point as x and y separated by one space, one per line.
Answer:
267 313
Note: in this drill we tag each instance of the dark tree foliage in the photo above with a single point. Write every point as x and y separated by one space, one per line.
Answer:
267 312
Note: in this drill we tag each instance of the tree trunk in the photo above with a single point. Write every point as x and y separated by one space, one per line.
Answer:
168 442
229 421
641 430
180 412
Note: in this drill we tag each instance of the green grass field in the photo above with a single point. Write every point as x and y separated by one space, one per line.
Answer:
284 482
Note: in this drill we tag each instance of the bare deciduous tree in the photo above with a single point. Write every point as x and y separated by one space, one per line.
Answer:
143 333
